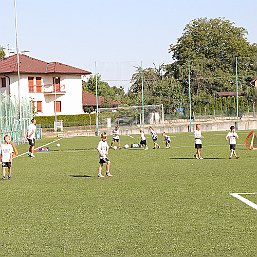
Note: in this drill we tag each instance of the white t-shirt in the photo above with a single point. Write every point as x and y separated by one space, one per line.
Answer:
6 152
142 136
232 136
115 134
31 131
198 135
103 149
166 138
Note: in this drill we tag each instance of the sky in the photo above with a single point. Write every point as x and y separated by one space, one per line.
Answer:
112 37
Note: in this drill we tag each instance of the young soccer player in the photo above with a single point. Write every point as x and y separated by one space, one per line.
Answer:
116 136
143 139
154 138
102 149
198 141
232 137
31 137
166 139
6 153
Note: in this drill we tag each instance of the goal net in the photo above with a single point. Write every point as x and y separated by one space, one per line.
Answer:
131 116
251 141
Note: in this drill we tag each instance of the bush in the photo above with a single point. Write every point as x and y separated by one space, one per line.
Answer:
75 120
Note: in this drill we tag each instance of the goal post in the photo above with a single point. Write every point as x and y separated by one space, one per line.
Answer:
132 116
251 141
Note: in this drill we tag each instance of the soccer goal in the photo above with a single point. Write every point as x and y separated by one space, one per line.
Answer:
132 115
251 141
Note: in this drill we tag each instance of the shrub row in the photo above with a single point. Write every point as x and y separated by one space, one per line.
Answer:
76 120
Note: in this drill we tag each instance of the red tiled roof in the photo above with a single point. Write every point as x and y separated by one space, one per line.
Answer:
89 99
32 65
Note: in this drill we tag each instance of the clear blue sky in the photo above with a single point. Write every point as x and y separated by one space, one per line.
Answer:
117 35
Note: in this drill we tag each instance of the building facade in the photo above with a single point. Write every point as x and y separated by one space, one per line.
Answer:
53 88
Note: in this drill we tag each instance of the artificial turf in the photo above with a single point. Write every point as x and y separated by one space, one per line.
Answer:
159 202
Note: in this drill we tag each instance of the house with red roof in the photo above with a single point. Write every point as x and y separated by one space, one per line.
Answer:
53 87
89 102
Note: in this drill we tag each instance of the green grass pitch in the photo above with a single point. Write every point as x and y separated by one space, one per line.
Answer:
159 202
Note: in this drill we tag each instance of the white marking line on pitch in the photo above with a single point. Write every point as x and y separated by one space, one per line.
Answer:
244 200
41 146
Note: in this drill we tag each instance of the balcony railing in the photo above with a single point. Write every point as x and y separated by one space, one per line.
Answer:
48 89
54 89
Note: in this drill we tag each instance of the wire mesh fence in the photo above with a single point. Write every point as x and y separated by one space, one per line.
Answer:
15 117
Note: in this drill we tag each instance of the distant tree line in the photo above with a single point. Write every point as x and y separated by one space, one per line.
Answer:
209 52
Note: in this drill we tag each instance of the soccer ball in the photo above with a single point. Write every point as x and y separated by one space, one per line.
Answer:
58 145
126 146
115 147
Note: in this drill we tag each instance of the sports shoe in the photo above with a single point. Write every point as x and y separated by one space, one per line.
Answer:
100 176
237 157
196 157
3 178
32 155
230 157
201 158
9 177
108 174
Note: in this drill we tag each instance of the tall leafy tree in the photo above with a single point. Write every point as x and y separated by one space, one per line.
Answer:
109 93
209 47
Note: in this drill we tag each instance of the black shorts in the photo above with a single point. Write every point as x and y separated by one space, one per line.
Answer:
232 147
32 142
104 160
116 140
198 146
6 165
143 142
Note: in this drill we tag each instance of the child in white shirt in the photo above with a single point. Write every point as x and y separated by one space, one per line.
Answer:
103 149
6 154
232 137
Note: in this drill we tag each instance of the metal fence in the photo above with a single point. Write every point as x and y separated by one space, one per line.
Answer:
15 117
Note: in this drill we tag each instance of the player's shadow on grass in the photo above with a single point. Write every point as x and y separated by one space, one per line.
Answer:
190 158
80 176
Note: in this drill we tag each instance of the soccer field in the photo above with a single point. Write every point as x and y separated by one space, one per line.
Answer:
159 202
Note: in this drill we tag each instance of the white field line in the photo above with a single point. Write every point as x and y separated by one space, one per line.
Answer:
41 146
244 200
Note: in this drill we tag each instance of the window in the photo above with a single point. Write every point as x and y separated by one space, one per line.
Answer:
58 106
31 84
38 84
56 84
3 80
39 106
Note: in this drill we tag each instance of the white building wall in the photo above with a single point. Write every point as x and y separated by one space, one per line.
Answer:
71 100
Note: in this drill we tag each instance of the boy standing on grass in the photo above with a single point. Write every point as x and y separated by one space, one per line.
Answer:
232 137
6 154
198 141
116 136
143 139
154 138
31 137
102 149
166 139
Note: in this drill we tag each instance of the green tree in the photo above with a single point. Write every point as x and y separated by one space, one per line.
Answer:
208 48
109 93
2 54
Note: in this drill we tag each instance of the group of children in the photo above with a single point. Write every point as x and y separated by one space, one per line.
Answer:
103 147
231 139
7 151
